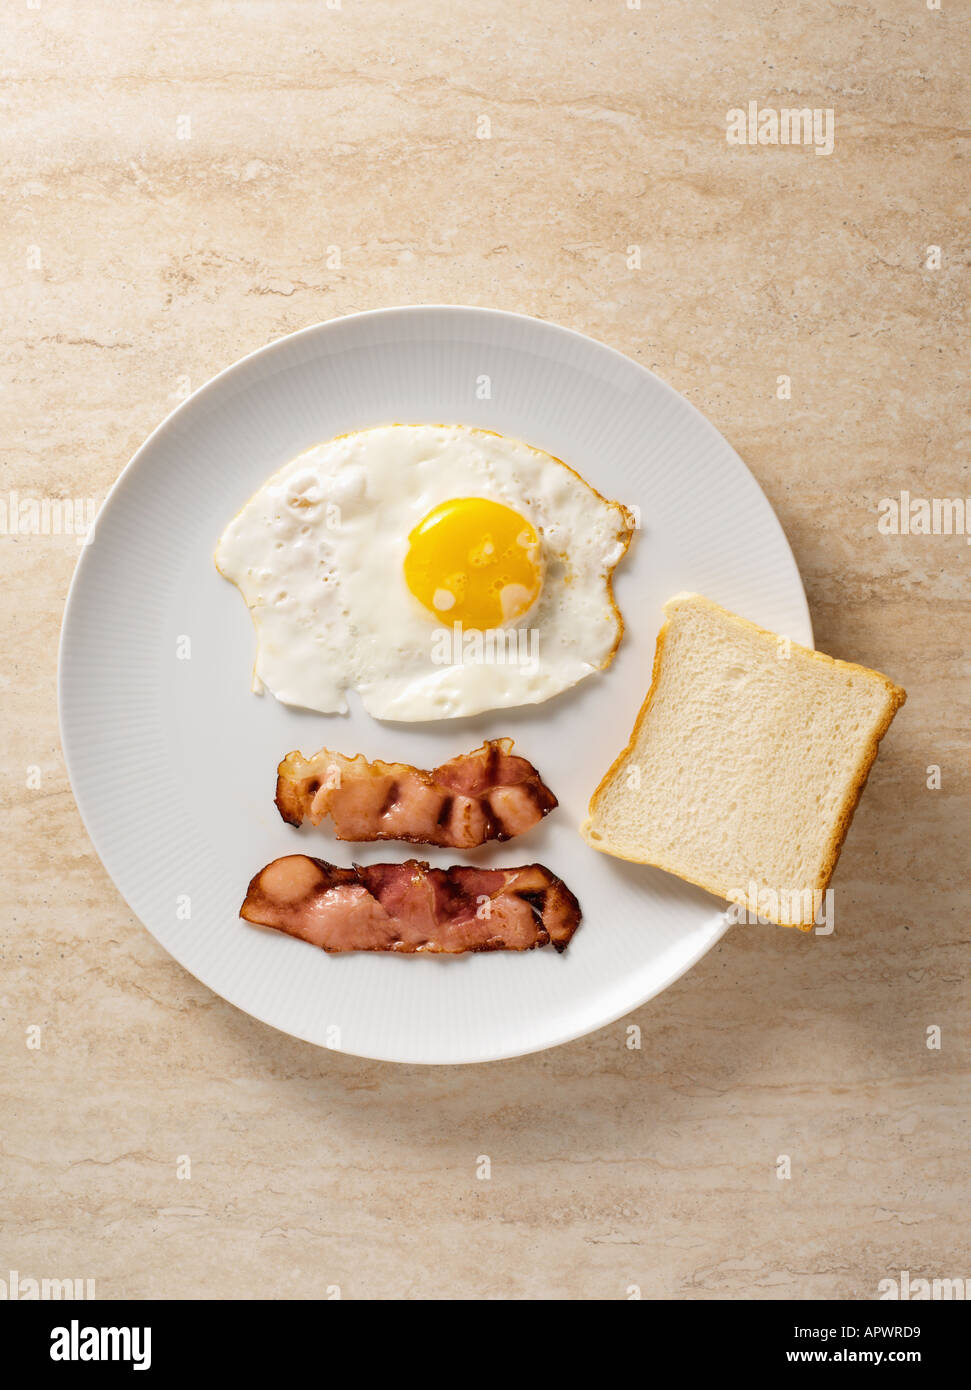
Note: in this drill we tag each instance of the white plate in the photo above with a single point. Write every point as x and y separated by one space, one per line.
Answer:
173 760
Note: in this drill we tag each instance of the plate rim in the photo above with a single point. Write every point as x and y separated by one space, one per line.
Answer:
167 423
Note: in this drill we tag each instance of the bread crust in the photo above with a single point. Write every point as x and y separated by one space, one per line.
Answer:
896 696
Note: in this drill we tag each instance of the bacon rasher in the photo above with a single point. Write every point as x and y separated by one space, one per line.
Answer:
411 907
489 794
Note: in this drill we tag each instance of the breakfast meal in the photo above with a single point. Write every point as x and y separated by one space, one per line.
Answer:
441 571
745 763
411 908
488 794
437 570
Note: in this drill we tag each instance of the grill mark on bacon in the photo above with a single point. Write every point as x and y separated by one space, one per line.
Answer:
489 794
390 799
536 902
493 821
411 908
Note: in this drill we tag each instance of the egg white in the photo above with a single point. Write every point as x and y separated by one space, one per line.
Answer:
318 555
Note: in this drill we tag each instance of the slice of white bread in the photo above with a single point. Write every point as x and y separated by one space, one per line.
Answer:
745 764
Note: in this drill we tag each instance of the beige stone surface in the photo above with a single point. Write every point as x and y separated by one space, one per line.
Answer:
173 176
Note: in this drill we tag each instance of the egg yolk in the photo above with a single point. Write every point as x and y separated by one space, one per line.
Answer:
474 562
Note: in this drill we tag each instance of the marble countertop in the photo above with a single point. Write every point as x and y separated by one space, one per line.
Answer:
183 183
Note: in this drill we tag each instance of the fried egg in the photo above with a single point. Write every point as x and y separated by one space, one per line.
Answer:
437 570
